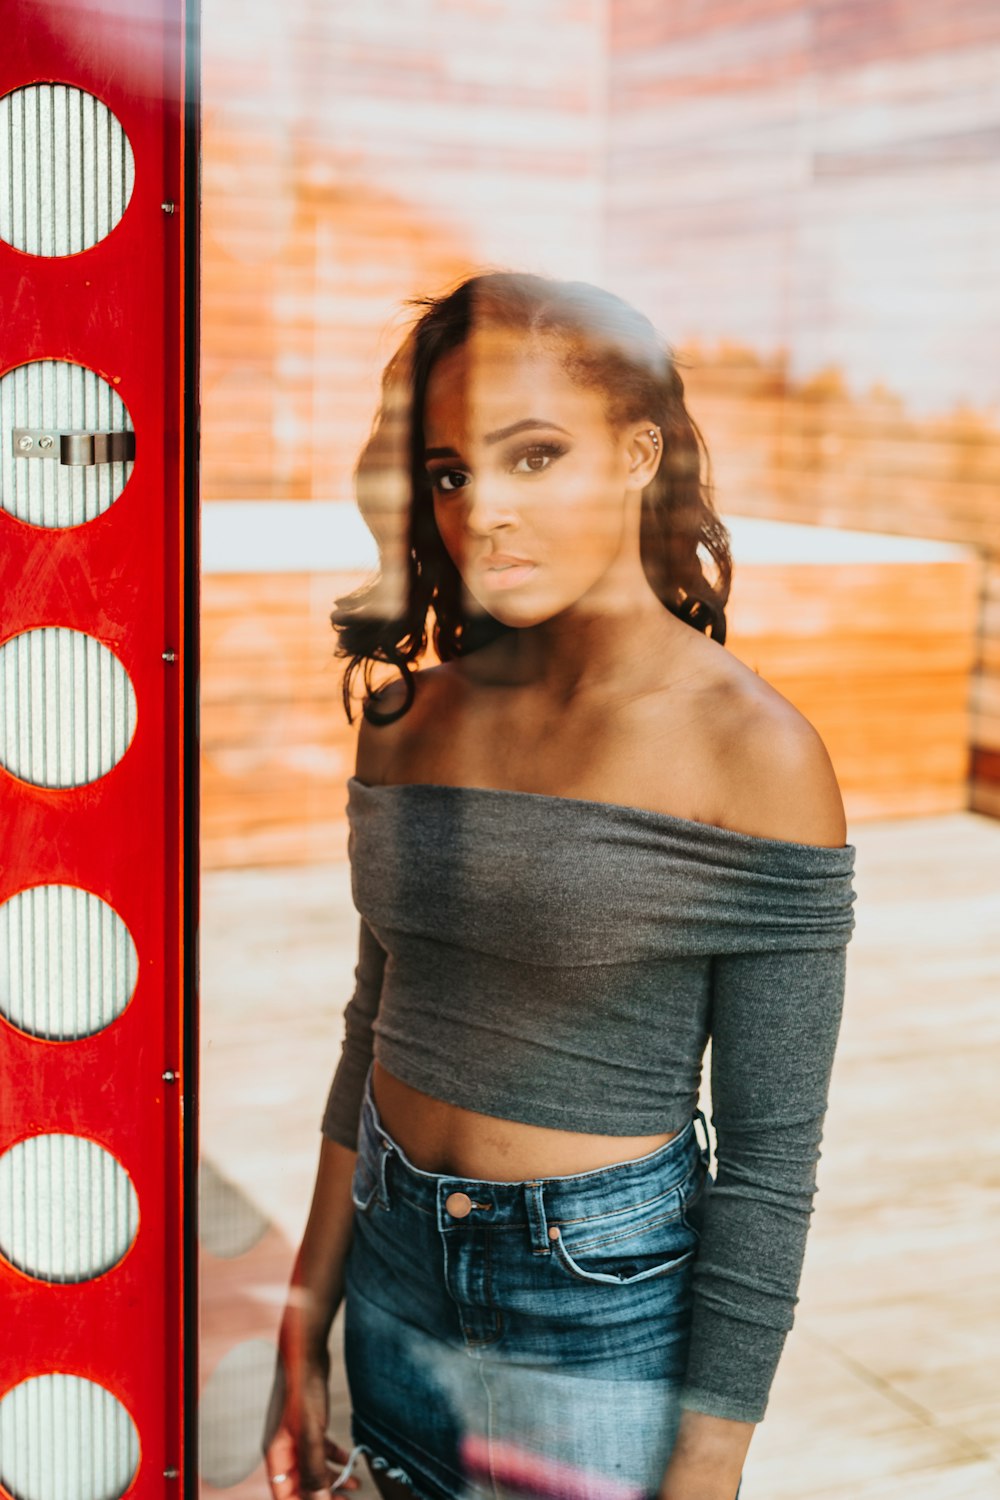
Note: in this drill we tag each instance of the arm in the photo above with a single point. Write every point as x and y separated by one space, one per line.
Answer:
318 1273
317 1279
707 1458
775 1025
294 1442
317 1282
343 1105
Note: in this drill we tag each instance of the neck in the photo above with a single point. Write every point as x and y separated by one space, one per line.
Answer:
618 640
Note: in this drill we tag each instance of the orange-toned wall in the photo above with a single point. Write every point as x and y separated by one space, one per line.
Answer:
807 196
358 155
766 181
876 655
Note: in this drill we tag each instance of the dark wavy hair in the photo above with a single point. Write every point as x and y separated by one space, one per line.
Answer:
604 344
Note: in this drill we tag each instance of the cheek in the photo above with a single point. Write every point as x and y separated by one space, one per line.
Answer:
589 512
448 521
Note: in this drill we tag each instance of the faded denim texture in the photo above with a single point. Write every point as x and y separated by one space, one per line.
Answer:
536 1344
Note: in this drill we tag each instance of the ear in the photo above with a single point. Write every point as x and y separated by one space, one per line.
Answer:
645 450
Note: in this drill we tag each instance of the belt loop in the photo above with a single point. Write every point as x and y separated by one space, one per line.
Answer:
706 1150
385 1150
381 1144
534 1198
367 1112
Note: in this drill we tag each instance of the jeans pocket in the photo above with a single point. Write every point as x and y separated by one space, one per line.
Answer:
628 1245
694 1197
364 1184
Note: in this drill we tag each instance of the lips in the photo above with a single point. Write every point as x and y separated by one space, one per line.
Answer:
502 570
497 560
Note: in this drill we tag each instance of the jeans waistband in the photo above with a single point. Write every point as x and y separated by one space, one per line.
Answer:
533 1201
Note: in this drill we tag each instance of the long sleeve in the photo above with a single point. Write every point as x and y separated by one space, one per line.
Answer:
775 1025
343 1105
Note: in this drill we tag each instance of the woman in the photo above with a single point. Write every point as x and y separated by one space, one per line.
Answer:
584 845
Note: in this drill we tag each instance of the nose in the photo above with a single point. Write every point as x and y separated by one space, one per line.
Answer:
488 508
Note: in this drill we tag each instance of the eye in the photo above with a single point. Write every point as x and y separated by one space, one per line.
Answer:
445 479
537 458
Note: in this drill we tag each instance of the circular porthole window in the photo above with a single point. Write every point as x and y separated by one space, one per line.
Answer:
65 1438
233 1412
68 964
67 445
66 170
67 707
68 1210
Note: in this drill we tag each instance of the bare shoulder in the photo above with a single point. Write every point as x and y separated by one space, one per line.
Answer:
381 746
781 782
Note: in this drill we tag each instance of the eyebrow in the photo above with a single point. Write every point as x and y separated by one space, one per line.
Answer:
499 435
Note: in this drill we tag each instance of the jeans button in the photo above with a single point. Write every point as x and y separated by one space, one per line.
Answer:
458 1205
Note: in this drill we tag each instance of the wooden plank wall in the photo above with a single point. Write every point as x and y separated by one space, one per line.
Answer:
890 702
276 748
810 453
352 157
805 199
358 155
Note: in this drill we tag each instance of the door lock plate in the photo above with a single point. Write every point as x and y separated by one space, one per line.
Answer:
76 447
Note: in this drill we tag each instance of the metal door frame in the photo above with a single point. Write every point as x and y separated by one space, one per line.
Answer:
127 308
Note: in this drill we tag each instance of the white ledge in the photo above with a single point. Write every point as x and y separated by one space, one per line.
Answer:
329 536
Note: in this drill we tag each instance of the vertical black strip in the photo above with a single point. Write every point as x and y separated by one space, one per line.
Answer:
192 730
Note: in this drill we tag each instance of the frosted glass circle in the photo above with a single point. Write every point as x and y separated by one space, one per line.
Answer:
65 1438
68 965
232 1412
67 707
228 1223
66 169
68 1210
49 398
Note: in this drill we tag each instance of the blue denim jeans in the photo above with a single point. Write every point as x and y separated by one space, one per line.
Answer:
520 1338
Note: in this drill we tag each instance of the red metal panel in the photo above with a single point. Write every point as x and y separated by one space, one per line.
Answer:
119 309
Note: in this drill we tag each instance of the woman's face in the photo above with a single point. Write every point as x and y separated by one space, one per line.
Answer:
534 493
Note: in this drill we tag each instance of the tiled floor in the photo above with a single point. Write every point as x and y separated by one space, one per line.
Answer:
889 1388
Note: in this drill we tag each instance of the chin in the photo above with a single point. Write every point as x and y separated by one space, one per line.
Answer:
524 606
511 611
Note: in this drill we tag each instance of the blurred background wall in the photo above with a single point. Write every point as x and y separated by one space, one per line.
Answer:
804 197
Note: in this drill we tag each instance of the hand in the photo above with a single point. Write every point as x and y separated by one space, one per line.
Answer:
301 1459
286 1483
707 1458
713 1492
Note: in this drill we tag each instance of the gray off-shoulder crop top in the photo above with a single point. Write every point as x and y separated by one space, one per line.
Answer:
565 962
